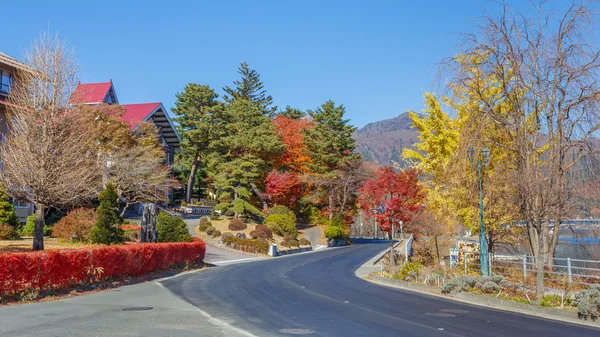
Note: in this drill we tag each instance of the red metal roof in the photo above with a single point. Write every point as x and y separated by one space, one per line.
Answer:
90 93
135 113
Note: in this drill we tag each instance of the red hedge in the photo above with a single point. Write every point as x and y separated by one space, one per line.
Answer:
60 269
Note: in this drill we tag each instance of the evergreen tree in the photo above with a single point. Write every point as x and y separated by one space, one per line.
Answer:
107 230
292 113
251 89
7 210
330 142
172 228
245 155
198 111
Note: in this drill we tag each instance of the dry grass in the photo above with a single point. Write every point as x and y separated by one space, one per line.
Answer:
25 244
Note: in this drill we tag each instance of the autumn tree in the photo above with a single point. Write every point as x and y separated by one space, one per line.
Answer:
49 158
284 188
546 72
197 112
291 131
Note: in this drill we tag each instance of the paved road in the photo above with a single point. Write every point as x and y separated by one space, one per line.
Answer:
319 293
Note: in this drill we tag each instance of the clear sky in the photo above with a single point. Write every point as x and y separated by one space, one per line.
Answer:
375 57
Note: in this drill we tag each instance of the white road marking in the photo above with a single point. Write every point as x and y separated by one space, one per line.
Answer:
238 260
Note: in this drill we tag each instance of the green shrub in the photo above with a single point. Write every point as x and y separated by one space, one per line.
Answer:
458 284
550 301
315 217
203 226
335 229
29 227
183 204
588 303
216 233
410 270
7 210
237 225
210 230
261 232
8 232
250 245
278 210
304 242
76 226
282 224
107 229
172 228
204 220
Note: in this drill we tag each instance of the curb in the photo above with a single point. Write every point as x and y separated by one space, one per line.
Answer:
473 299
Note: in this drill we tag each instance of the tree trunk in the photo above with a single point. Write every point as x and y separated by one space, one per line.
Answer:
38 233
122 213
541 259
330 208
192 178
149 233
261 196
437 248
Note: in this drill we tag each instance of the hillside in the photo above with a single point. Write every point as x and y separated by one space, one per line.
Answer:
382 142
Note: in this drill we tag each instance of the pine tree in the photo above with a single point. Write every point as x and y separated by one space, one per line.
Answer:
197 110
107 230
292 113
330 141
251 89
7 210
245 155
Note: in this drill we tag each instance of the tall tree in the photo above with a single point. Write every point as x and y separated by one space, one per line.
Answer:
292 113
198 112
50 157
329 144
245 154
251 89
291 131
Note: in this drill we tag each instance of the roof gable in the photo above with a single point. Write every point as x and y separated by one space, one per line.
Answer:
93 93
155 113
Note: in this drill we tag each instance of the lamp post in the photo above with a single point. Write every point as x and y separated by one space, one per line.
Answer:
482 160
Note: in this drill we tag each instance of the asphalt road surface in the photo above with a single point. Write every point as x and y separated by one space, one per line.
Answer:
318 294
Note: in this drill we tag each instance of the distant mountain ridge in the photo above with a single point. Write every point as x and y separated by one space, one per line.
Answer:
382 142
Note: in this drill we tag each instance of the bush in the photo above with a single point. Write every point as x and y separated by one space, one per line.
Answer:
487 284
172 228
203 226
7 210
29 227
210 230
60 269
237 225
216 233
335 229
588 303
226 235
458 284
410 270
106 230
305 242
204 220
282 224
248 245
8 232
424 252
261 232
132 235
76 226
315 217
550 301
183 204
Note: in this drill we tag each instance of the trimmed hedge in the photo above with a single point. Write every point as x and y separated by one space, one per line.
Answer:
237 225
261 232
61 269
247 245
282 224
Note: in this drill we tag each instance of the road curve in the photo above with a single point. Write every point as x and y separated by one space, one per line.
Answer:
318 293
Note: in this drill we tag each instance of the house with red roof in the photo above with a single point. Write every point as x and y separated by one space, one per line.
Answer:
134 114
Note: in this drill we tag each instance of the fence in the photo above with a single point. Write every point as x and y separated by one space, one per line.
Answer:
574 271
408 247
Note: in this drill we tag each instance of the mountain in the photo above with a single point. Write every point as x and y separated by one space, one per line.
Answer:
382 142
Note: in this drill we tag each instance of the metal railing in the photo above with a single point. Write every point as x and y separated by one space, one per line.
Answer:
573 271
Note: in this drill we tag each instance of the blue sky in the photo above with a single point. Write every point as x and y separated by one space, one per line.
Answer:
375 57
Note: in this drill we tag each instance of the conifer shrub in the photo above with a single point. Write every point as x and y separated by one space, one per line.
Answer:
304 242
226 235
29 227
7 210
281 224
247 245
107 229
588 303
172 228
261 232
76 226
8 232
210 230
237 225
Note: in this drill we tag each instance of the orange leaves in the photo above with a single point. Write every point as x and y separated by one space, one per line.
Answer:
291 132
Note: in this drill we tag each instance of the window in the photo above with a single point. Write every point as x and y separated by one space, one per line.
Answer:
5 81
20 203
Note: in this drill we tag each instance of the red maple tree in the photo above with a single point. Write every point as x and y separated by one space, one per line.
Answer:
284 188
291 131
392 196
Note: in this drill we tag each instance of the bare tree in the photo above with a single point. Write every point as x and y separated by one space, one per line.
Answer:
49 158
545 68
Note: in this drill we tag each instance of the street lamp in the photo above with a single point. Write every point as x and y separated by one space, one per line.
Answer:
484 160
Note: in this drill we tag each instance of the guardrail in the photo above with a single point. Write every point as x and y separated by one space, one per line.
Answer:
575 271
